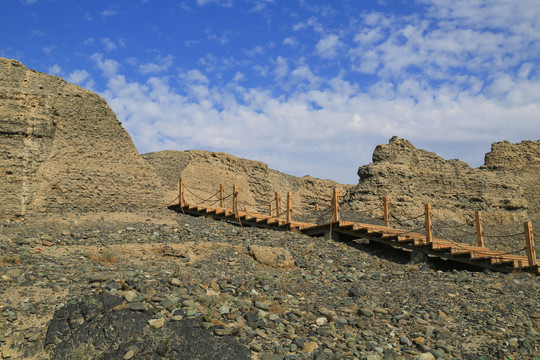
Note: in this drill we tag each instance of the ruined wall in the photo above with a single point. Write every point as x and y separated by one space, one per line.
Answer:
63 150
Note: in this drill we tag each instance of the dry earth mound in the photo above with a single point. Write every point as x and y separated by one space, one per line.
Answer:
505 188
204 171
63 150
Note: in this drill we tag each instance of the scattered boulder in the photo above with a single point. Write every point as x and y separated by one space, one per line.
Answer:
272 256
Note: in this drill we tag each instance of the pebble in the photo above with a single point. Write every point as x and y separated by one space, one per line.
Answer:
223 331
157 323
405 340
425 356
261 305
366 312
310 347
137 306
130 295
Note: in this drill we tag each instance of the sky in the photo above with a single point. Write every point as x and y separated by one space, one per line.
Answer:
308 87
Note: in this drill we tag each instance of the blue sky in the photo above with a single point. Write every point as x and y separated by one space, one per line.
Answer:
309 87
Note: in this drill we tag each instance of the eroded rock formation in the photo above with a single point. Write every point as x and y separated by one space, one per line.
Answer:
63 150
204 171
505 188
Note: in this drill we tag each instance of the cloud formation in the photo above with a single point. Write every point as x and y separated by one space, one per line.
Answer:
326 84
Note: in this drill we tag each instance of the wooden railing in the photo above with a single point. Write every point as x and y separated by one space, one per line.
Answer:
275 212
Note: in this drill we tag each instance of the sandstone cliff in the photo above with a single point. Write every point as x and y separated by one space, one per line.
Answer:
505 188
63 150
204 171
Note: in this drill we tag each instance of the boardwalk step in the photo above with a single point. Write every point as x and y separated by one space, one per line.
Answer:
394 237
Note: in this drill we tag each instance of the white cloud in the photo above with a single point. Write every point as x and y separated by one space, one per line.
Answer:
109 67
160 64
78 76
260 5
37 33
109 44
452 38
253 52
290 41
462 75
48 49
222 39
224 3
238 77
108 13
55 70
194 77
340 122
282 68
328 46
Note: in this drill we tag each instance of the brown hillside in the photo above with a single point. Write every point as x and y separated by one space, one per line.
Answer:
63 150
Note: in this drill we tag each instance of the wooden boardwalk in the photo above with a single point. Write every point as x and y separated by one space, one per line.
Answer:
478 256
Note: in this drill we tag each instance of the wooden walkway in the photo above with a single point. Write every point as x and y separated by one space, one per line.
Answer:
478 256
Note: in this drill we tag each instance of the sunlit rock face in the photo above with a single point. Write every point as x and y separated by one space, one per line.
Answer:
62 149
506 187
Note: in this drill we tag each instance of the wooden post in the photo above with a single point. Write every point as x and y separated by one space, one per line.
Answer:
386 211
335 206
270 208
289 207
479 233
278 207
316 207
235 201
181 191
429 233
222 195
529 240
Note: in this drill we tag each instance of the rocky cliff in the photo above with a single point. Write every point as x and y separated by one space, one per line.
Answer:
62 150
505 188
204 171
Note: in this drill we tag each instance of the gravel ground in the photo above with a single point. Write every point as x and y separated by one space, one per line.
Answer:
332 300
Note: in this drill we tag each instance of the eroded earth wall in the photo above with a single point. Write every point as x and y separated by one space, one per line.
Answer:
204 171
506 188
62 149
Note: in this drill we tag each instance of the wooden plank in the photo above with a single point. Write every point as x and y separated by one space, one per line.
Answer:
529 242
289 207
479 234
429 230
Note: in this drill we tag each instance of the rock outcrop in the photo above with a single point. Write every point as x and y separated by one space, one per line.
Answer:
521 162
62 150
204 171
505 188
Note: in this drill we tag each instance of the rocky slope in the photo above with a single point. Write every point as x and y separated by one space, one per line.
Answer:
204 171
194 285
63 150
505 189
